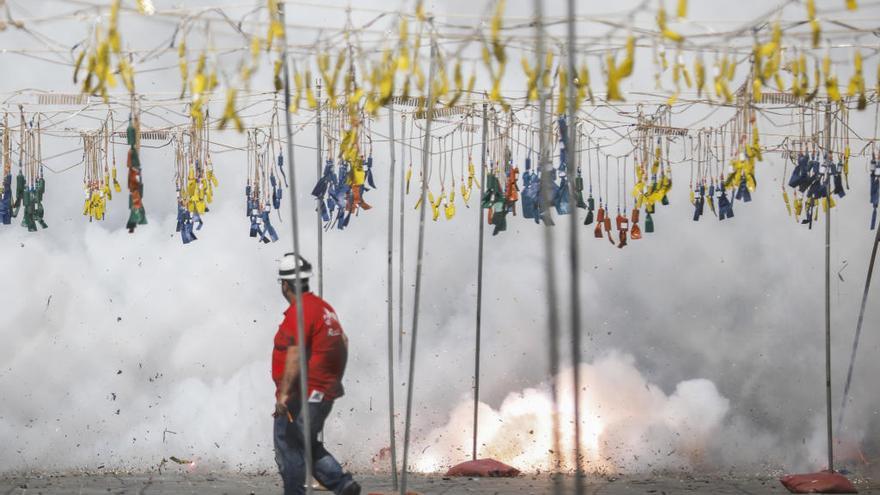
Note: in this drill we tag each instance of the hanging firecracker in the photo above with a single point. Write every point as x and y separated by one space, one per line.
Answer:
874 188
30 184
6 178
263 190
138 215
195 179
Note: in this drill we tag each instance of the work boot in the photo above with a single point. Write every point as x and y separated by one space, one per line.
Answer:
353 488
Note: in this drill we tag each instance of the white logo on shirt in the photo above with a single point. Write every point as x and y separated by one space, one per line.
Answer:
330 317
331 321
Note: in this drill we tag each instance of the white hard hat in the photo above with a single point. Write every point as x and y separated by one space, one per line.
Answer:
288 265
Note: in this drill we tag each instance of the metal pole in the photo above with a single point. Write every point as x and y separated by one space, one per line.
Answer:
391 302
855 347
828 289
401 247
574 251
300 325
415 325
320 170
852 358
479 285
546 169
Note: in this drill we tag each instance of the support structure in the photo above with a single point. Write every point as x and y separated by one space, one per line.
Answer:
855 347
426 155
400 248
479 287
390 283
320 171
574 267
546 170
828 288
300 325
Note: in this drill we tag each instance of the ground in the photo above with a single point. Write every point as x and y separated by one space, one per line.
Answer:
229 483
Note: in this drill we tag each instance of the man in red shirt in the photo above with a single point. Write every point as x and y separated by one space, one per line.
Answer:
326 349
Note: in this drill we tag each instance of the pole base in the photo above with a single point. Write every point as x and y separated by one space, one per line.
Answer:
820 482
483 468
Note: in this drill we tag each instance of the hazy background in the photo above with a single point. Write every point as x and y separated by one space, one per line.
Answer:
704 339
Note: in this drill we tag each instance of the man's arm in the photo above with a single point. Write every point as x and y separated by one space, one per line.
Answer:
291 373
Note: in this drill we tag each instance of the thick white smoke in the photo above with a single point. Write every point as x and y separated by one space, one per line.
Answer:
628 424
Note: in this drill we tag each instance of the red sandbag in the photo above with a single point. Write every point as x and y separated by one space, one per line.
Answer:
483 467
821 482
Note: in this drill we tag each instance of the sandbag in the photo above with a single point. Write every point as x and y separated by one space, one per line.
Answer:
821 482
483 467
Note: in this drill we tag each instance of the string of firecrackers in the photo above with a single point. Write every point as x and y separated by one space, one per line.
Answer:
381 77
30 184
264 191
6 198
816 178
741 179
467 182
653 185
195 180
364 101
201 85
98 55
494 56
99 180
137 212
339 191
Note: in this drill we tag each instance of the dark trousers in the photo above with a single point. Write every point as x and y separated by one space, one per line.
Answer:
290 451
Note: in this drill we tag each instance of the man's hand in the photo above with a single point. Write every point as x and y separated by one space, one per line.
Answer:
280 410
281 405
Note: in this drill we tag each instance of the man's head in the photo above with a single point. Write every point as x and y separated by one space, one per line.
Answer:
287 275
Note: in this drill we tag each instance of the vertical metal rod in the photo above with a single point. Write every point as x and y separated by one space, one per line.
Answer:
855 347
421 248
391 434
320 170
300 325
828 290
479 285
571 154
401 244
546 169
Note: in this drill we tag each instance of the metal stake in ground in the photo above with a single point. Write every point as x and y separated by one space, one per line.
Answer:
828 289
300 325
546 167
391 300
571 154
320 171
855 347
479 284
429 114
401 245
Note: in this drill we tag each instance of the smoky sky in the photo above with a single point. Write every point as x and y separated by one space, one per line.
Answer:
122 349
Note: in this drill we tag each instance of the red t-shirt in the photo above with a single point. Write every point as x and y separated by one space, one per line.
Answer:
326 347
